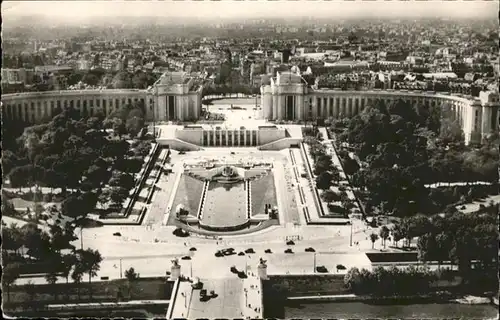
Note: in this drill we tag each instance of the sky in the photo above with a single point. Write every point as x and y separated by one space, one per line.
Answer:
68 10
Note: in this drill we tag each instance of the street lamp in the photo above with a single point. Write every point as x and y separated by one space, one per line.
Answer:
81 237
314 270
350 238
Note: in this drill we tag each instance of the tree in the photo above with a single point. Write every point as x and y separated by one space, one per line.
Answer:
427 247
373 238
11 273
352 279
119 127
324 180
322 164
330 196
73 207
397 234
67 263
91 260
384 234
30 289
51 278
77 274
9 161
118 194
121 179
21 176
90 79
116 149
131 275
11 236
134 125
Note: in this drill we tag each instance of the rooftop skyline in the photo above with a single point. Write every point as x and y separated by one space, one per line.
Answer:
72 11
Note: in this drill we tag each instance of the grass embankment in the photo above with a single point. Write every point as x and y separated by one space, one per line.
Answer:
36 297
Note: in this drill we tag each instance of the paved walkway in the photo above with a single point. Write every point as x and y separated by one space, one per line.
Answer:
474 206
252 303
183 300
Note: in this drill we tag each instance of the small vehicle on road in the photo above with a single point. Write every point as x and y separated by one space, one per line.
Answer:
117 234
321 269
186 258
268 251
310 249
228 251
288 251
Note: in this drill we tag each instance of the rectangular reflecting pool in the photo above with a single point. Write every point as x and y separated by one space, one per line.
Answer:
225 204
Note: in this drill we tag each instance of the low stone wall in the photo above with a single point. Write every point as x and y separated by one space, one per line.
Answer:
244 225
306 285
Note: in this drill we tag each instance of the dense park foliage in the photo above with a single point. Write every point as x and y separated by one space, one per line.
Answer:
469 241
30 250
390 282
89 164
327 175
76 153
403 148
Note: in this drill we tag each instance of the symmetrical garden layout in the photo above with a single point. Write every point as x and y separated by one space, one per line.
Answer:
222 196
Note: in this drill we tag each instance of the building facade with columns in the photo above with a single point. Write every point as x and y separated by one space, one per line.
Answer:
174 97
230 136
289 98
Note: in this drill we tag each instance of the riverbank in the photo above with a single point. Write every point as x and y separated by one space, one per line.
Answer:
360 310
394 300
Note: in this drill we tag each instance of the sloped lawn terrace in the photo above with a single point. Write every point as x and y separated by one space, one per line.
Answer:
263 192
188 194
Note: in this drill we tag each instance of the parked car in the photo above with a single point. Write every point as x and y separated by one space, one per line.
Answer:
228 252
290 243
268 251
219 254
321 269
117 234
186 258
233 269
182 152
192 249
288 251
310 249
249 250
340 267
241 253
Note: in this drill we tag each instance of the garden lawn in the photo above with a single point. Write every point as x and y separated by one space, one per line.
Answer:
263 192
188 194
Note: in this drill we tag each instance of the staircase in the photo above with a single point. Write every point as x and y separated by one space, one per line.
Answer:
202 200
248 188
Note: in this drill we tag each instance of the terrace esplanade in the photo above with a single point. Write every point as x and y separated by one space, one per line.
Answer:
175 96
289 98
